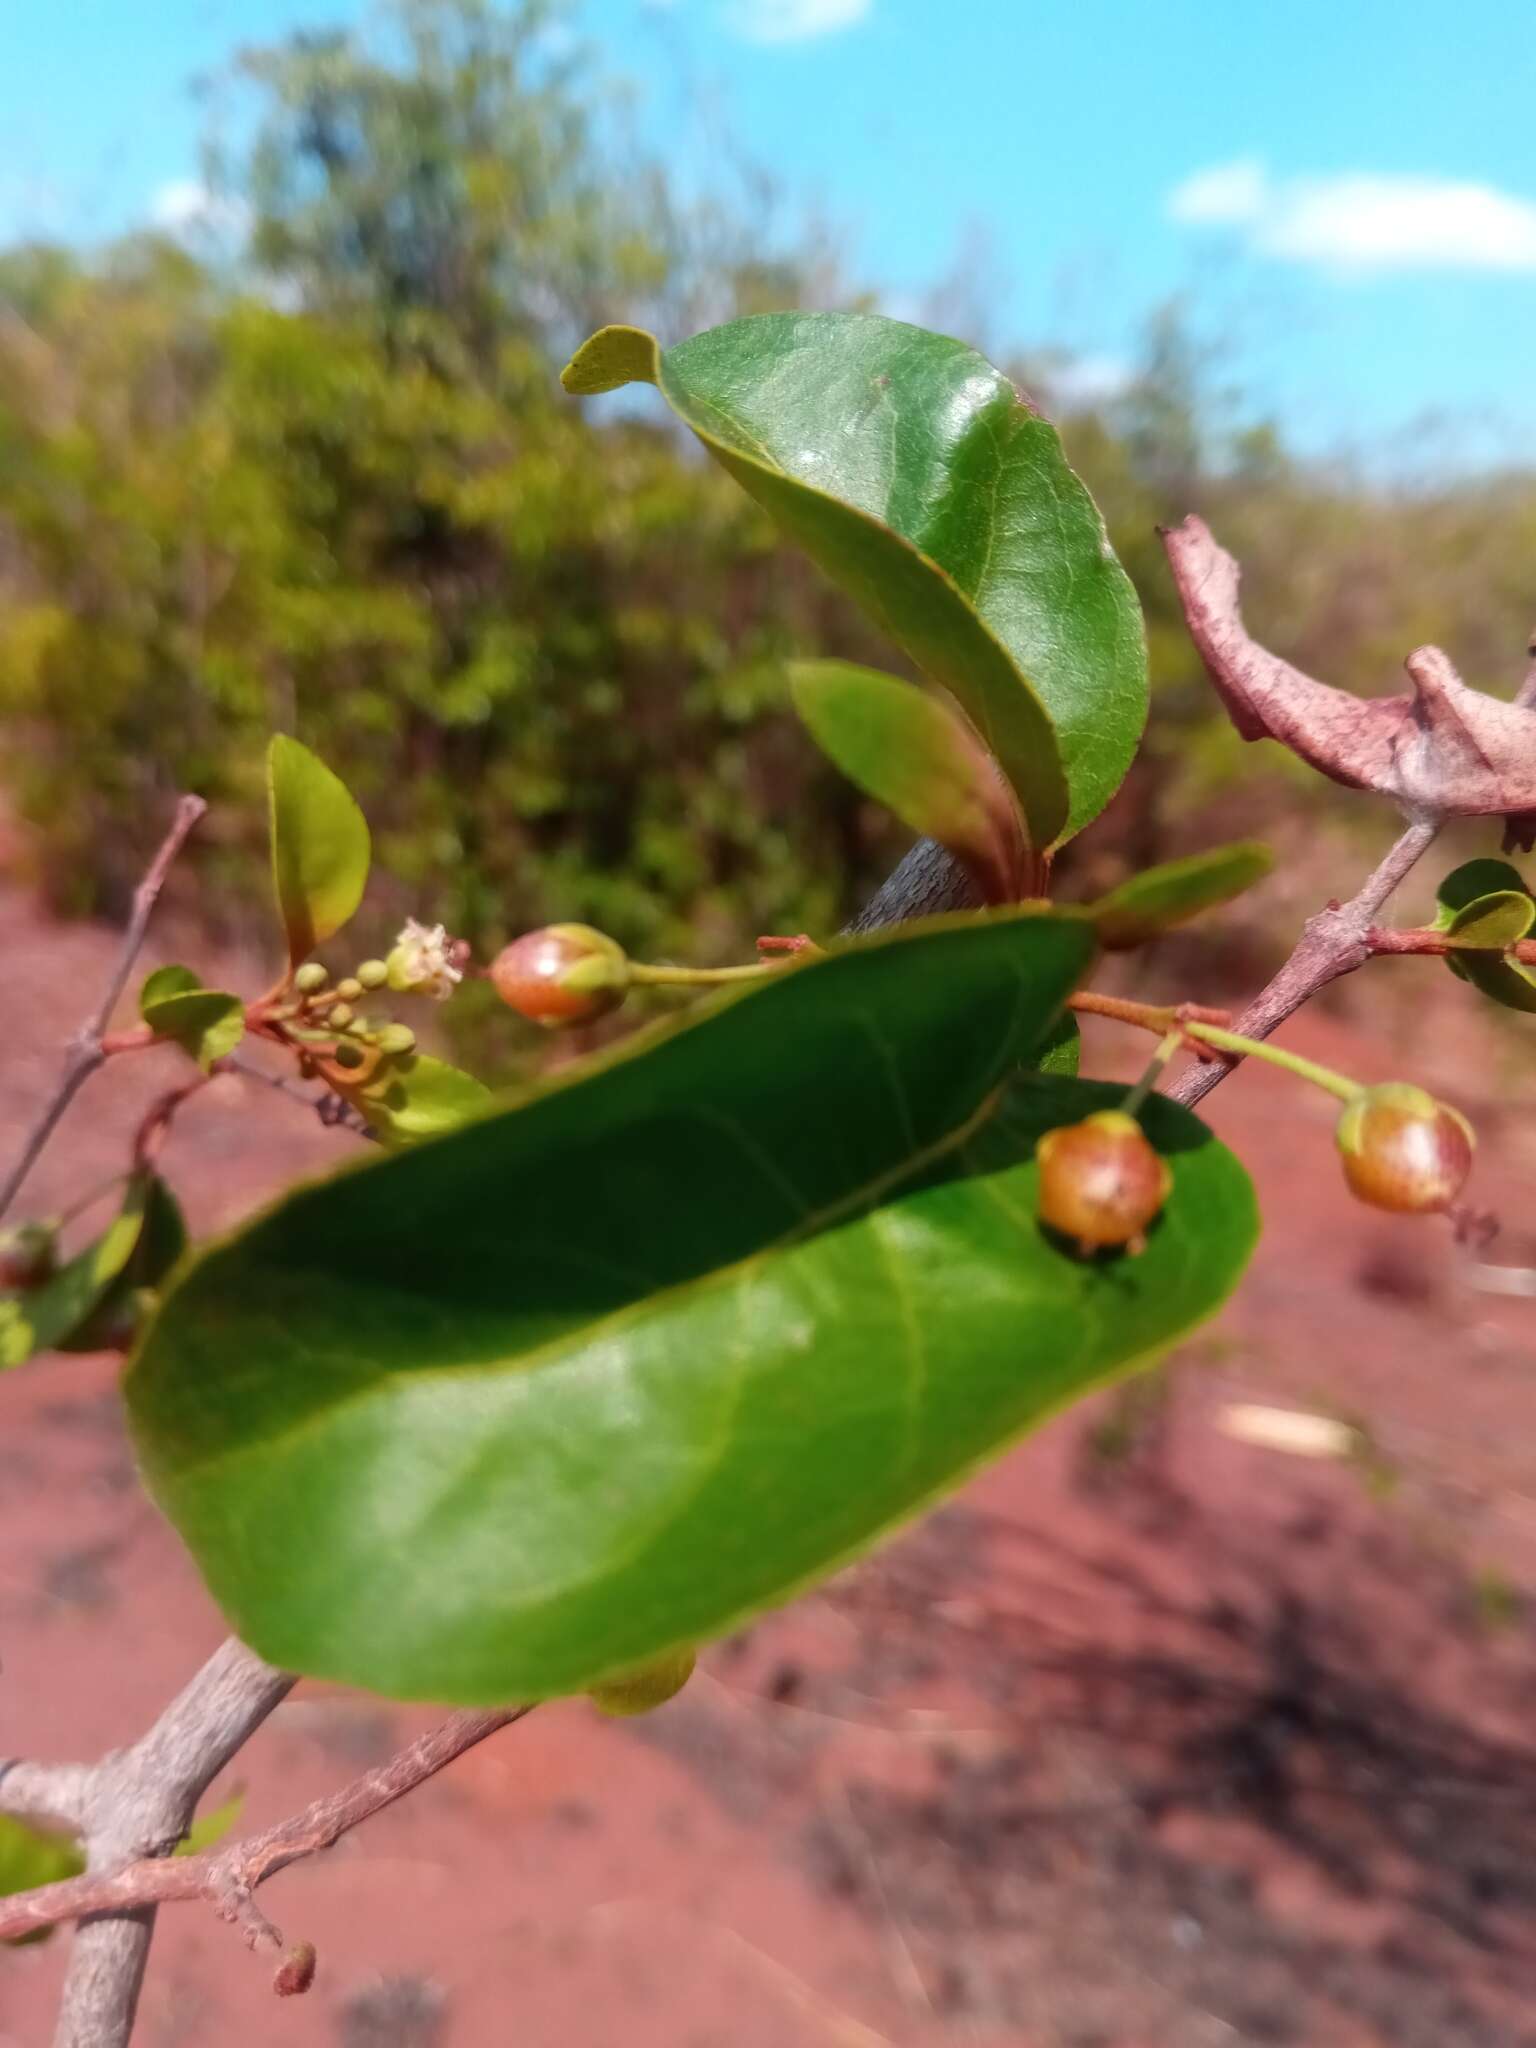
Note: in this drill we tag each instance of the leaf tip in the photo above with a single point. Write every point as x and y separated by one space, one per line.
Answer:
611 358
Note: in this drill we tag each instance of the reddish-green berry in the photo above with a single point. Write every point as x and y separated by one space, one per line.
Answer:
29 1255
562 974
1101 1182
1403 1150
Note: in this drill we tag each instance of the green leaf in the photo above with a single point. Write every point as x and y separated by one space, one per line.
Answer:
912 753
319 846
203 1021
45 1318
211 1827
1472 879
598 1376
1060 1050
30 1857
414 1096
163 982
1164 896
1489 924
161 1242
912 473
1484 906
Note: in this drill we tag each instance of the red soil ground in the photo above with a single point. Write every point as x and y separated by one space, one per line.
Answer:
1152 1740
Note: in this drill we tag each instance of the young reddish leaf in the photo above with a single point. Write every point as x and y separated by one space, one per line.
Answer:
1164 896
911 752
320 846
1446 751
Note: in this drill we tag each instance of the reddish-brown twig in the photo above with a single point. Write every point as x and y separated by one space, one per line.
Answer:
226 1877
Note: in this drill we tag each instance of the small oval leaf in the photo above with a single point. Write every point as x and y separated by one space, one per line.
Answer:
1472 879
205 1022
1492 923
163 982
414 1096
47 1318
1165 896
320 846
912 753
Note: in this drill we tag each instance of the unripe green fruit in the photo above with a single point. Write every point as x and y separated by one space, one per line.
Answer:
1101 1182
373 973
29 1255
1403 1150
347 1055
310 978
350 989
651 1685
561 974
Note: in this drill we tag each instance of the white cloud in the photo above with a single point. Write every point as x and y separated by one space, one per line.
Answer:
1361 220
1226 192
185 206
795 21
1090 380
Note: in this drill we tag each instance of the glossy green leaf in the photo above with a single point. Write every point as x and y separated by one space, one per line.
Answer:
211 1827
414 1096
1484 906
204 1021
908 467
1165 896
165 981
1489 924
1474 878
45 1318
600 1375
911 752
32 1856
320 846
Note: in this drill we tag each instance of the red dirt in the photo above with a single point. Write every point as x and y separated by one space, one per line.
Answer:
1195 1744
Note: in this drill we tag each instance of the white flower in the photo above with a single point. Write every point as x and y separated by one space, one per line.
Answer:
422 963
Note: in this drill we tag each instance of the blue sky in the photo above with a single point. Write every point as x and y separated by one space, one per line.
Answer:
1346 192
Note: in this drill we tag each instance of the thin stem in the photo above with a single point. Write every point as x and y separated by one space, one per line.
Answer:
1333 943
1277 1056
1168 1045
86 1051
656 976
229 1874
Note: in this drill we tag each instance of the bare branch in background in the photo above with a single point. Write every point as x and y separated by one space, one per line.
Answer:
86 1052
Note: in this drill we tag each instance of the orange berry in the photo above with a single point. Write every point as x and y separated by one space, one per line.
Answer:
1101 1181
1403 1150
561 974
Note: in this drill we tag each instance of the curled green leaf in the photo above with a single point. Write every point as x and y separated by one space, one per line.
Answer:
320 846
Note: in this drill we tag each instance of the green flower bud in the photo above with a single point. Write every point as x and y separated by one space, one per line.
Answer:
348 1055
396 1038
648 1686
373 973
350 989
339 1016
29 1255
1101 1182
310 978
561 974
1403 1150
